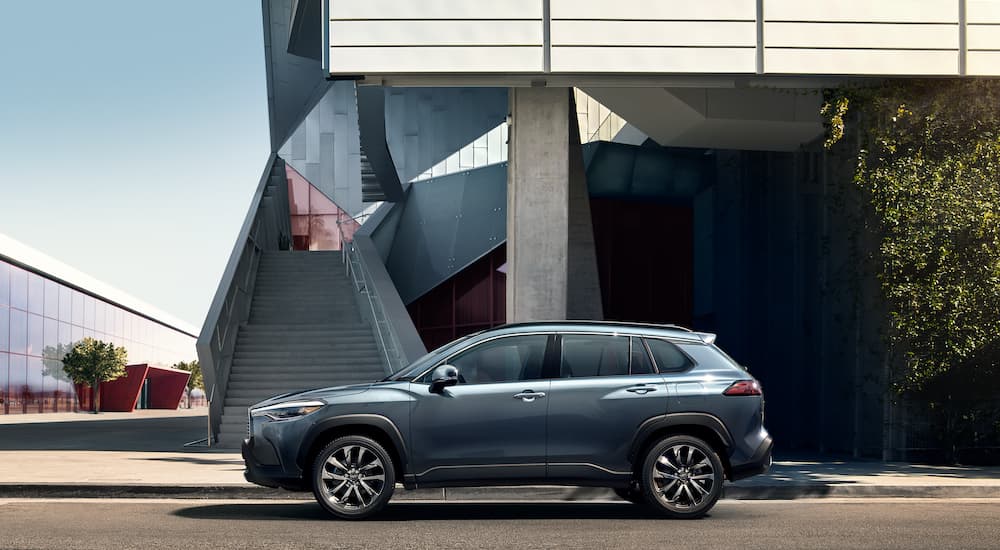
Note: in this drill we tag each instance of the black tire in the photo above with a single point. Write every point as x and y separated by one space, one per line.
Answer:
687 483
353 477
632 495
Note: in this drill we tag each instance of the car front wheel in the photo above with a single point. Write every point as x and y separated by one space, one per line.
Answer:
353 477
682 477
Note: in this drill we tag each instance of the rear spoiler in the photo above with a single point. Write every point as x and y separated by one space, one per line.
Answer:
706 337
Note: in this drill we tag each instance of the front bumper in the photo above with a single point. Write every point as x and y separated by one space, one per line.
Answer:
759 463
262 467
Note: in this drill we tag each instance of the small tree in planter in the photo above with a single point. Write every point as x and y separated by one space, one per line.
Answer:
92 362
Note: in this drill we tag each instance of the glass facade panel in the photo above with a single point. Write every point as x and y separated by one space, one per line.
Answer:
4 284
4 369
65 304
18 331
18 288
35 335
65 335
4 329
100 314
33 387
89 305
77 308
17 381
36 293
51 299
51 339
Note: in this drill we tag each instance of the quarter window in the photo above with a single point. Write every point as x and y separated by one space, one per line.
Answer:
667 356
502 360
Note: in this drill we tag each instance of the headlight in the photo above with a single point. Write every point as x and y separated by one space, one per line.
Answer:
287 411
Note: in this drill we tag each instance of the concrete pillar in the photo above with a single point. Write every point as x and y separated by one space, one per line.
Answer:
551 264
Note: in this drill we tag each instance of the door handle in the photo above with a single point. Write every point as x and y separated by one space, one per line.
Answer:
641 390
529 396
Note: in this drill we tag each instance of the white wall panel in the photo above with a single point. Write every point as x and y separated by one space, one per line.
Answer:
654 33
983 37
435 33
982 11
435 9
861 62
653 60
658 10
388 60
879 11
860 35
983 63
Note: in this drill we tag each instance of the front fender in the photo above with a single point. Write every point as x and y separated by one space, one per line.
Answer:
377 421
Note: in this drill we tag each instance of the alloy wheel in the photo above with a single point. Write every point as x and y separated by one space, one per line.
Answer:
683 477
353 478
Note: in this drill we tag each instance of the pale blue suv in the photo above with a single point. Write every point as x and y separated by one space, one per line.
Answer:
658 413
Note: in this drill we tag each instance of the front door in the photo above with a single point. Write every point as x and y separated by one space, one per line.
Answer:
607 387
491 426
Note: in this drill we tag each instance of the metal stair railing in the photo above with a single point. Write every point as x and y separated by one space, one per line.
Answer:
361 280
267 226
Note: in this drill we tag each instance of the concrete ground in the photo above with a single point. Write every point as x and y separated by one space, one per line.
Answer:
143 454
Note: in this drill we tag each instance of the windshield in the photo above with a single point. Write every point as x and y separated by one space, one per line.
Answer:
418 366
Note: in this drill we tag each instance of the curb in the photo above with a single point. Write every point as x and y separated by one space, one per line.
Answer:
529 493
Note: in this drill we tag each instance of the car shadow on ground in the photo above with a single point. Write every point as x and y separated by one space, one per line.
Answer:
424 511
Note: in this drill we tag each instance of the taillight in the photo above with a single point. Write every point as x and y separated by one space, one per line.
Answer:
743 387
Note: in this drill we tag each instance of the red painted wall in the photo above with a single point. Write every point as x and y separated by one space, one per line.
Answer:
471 300
166 389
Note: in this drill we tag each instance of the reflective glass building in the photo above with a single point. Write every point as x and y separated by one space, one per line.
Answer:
46 307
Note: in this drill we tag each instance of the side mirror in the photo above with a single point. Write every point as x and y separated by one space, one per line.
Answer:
442 377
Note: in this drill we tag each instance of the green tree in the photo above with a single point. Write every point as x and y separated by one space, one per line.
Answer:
929 169
91 362
196 380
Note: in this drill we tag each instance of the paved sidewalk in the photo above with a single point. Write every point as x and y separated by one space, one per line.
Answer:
83 455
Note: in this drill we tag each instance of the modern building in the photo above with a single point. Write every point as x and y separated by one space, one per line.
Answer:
47 306
482 163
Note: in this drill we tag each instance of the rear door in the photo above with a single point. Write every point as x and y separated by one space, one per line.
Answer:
605 389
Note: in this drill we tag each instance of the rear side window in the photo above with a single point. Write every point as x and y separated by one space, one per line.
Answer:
640 363
585 355
667 356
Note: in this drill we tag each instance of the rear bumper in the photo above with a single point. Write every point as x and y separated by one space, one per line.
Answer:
759 463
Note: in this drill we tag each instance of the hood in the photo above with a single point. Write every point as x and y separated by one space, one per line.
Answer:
324 394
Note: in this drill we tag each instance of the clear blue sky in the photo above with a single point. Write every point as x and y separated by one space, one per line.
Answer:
132 136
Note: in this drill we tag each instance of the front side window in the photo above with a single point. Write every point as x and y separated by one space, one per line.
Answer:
508 359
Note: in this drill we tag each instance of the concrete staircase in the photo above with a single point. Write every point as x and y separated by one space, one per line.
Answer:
305 331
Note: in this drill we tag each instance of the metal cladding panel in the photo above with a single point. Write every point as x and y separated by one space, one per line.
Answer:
446 224
402 36
325 147
983 57
890 37
426 125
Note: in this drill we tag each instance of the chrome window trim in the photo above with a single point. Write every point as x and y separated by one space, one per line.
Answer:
628 334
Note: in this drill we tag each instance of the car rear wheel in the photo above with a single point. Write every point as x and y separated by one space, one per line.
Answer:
353 477
682 477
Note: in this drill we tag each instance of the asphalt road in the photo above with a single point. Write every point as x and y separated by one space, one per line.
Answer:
852 523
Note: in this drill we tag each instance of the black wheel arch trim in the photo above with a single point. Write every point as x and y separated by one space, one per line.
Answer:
377 421
671 420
